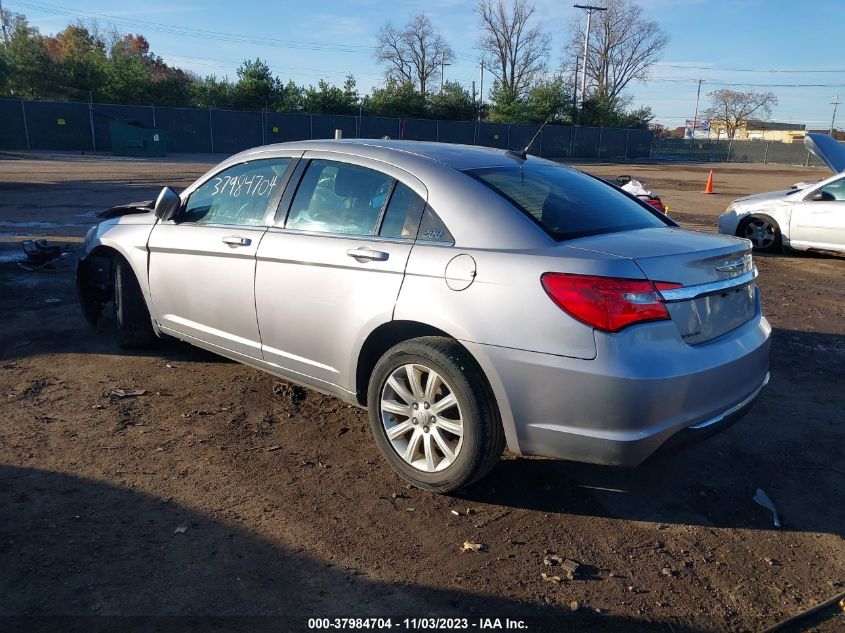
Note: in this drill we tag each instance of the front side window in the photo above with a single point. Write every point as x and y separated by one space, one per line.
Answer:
339 198
239 195
835 189
566 203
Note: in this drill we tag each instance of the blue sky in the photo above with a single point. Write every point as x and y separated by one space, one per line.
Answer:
305 41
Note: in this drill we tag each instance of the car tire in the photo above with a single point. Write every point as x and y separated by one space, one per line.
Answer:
132 318
445 366
764 233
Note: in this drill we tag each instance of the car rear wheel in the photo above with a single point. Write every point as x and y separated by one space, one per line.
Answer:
433 415
132 318
763 232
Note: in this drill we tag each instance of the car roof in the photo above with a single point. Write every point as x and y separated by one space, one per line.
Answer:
398 152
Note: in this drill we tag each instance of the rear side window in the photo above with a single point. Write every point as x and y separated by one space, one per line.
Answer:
565 202
403 213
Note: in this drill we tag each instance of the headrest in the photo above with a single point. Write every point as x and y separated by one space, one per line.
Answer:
354 183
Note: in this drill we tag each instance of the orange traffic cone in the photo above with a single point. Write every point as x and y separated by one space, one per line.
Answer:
708 188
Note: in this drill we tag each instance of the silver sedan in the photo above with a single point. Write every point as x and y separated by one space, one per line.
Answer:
469 298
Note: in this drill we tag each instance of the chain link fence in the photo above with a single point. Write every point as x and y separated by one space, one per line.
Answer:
69 126
733 151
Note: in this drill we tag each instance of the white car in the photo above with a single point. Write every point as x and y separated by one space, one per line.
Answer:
810 216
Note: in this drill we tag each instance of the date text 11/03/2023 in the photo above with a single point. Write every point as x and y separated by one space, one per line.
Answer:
417 624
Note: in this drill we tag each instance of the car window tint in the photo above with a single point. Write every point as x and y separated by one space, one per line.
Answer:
339 198
403 213
836 189
239 195
432 228
567 203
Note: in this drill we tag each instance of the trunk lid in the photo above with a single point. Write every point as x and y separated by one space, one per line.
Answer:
716 274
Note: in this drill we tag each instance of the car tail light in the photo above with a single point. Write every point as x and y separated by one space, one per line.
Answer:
607 303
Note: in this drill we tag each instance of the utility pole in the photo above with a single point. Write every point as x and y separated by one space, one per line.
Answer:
575 85
695 118
3 22
589 9
835 105
481 91
443 64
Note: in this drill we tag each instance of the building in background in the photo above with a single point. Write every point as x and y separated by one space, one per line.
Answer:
760 131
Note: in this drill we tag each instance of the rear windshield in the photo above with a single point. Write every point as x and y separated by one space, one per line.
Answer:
567 203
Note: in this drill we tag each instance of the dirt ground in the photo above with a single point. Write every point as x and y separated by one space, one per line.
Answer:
223 491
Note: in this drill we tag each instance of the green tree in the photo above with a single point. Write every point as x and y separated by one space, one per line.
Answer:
80 63
602 110
128 77
30 70
396 99
290 98
329 99
453 102
211 92
549 99
256 87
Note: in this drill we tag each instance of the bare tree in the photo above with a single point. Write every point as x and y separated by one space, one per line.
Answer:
624 44
517 51
732 109
414 53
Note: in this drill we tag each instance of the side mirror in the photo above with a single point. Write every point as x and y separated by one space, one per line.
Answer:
823 196
167 204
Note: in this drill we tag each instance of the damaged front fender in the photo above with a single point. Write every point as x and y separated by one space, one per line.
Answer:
94 285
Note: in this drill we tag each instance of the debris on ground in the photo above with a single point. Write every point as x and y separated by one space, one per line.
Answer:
127 393
292 393
550 578
181 529
469 546
552 559
762 499
488 520
571 565
574 605
40 254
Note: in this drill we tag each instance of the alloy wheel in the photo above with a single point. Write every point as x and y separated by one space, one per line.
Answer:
421 417
761 233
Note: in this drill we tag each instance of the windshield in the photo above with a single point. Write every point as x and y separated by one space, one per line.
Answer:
567 203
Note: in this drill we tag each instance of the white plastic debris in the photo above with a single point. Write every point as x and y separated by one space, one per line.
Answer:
636 188
762 499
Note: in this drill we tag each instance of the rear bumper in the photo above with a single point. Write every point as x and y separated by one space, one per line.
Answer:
646 389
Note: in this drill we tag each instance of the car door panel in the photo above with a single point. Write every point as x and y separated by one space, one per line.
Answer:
201 285
318 293
820 223
313 299
202 265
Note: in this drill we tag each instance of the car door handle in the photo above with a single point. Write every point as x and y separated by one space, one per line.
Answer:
237 240
365 252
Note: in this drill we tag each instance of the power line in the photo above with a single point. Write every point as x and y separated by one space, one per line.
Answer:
193 32
750 70
50 8
750 85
